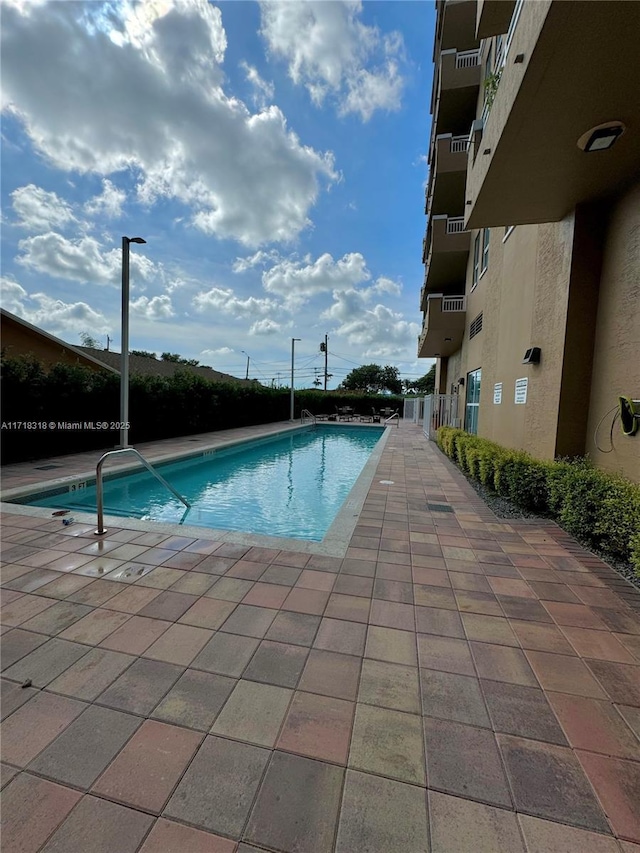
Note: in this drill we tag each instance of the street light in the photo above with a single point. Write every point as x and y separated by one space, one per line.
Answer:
247 354
124 342
293 344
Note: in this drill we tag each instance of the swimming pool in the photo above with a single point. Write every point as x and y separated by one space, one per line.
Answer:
291 485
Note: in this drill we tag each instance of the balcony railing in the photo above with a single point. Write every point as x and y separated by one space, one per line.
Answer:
467 58
458 144
455 224
454 303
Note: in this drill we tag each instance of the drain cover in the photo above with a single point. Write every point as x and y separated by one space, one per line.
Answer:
439 508
386 482
47 467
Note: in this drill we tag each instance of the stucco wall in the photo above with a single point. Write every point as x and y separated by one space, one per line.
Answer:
18 340
616 363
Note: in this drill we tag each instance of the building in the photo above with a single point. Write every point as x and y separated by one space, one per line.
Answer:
18 337
533 234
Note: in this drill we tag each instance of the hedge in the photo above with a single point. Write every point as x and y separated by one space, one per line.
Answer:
598 508
159 406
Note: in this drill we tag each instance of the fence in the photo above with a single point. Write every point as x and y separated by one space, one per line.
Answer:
439 410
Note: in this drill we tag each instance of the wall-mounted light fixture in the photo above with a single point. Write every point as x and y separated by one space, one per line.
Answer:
461 380
601 137
532 356
447 340
518 58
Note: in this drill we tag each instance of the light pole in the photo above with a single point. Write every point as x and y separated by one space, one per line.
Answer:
293 345
244 353
124 342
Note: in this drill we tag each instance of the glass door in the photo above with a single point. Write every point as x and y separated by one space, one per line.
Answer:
473 401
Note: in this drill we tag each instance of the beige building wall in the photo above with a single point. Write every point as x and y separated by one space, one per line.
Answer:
17 339
616 364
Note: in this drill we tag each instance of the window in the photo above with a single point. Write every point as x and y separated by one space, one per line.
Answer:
507 231
485 250
476 260
473 401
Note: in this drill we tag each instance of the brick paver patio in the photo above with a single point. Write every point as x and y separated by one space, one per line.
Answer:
455 683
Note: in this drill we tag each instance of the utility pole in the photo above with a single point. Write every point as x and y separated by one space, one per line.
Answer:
108 342
248 359
325 349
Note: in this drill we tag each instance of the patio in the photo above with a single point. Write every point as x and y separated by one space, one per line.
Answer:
453 683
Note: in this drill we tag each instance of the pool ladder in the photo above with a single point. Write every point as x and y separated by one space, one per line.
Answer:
99 497
392 417
305 413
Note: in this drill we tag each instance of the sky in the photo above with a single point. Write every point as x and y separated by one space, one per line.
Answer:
272 155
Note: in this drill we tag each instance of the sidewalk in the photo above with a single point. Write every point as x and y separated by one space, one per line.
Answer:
455 684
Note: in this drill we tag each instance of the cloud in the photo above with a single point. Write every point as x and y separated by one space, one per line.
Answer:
332 53
258 259
219 351
263 91
53 315
299 281
39 210
378 331
386 285
225 301
265 327
152 106
82 260
156 308
108 203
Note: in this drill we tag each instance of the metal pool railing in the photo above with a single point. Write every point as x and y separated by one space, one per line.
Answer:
99 491
305 414
391 417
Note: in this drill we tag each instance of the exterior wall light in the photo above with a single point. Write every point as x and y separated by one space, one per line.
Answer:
532 356
602 137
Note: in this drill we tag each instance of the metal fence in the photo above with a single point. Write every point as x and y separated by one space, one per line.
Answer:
439 410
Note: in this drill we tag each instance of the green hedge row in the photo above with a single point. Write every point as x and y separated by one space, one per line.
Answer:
159 407
598 508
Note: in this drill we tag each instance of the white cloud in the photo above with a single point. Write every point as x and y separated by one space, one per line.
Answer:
299 281
331 51
156 308
39 210
387 285
219 351
108 203
153 106
225 301
265 327
263 90
53 315
378 331
259 258
82 260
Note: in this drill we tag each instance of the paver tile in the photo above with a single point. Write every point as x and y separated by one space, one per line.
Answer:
23 608
195 700
620 680
391 614
133 599
229 589
502 663
32 809
168 605
354 608
477 602
245 569
31 581
319 727
208 613
389 685
453 697
135 635
544 836
311 601
388 743
80 754
459 825
97 592
194 583
12 696
226 654
170 837
510 586
489 629
35 724
576 615
55 619
381 815
542 638
600 645
219 786
281 818
277 663
92 674
101 827
448 747
313 579
436 620
46 662
524 711
19 643
158 577
632 717
141 687
267 595
215 565
145 772
254 713
179 644
338 635
391 645
595 725
347 584
547 781
617 784
445 653
564 674
331 674
95 626
282 574
250 621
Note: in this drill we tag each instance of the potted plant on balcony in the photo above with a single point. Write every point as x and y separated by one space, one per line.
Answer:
491 83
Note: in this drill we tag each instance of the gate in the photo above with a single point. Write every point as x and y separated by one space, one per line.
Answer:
413 409
440 410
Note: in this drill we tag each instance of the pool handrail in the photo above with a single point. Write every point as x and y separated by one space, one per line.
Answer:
306 413
391 417
99 496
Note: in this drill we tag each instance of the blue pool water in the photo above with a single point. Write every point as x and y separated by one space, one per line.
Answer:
291 485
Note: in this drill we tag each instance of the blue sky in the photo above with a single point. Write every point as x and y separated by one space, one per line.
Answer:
272 155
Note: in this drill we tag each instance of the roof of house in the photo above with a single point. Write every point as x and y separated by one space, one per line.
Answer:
146 366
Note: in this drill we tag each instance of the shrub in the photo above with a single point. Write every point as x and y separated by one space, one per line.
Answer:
600 509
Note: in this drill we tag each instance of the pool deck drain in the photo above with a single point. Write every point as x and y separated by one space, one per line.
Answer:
266 698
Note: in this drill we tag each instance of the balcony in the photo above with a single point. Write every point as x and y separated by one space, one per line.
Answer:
456 95
445 253
456 24
444 325
568 67
493 17
449 174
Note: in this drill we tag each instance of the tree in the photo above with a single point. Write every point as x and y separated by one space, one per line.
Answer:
143 352
372 378
426 384
89 341
178 359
